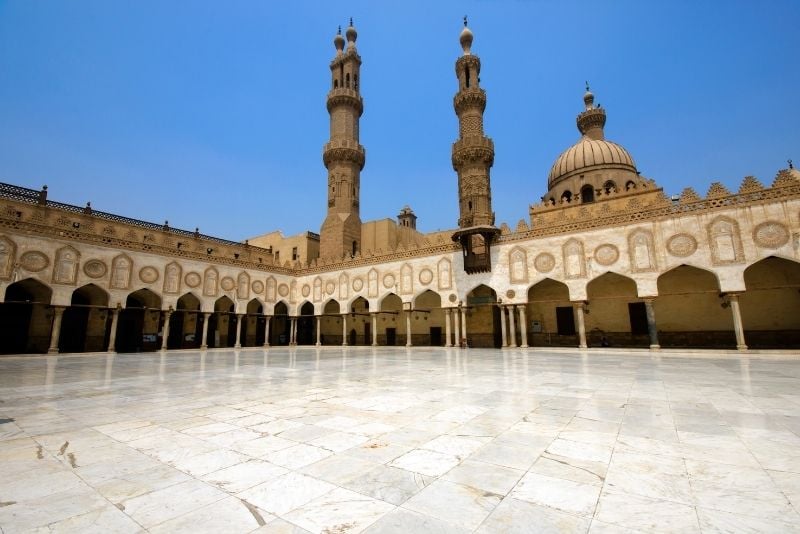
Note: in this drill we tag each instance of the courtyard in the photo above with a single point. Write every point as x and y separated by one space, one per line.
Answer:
395 440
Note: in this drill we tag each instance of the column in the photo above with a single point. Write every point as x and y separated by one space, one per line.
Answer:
512 342
319 330
581 326
503 326
464 326
523 326
55 331
651 324
238 343
408 328
293 332
266 332
457 322
344 329
738 327
204 343
165 330
112 336
447 328
374 329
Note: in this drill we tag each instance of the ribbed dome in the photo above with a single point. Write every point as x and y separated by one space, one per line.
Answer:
586 154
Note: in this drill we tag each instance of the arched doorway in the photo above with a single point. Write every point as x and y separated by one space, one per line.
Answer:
186 324
689 311
84 326
427 321
360 323
551 315
254 325
306 329
222 324
483 318
771 305
391 326
331 325
280 325
139 322
615 312
25 318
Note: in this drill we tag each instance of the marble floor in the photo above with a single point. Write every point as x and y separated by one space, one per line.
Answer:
395 440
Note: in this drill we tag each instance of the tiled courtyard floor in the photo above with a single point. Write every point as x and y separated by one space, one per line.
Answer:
389 440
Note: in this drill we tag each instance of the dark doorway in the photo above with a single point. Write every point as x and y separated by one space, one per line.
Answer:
305 325
24 319
352 337
436 336
367 334
638 316
73 329
391 336
565 320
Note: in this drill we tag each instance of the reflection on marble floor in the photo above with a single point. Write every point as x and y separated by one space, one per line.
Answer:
393 440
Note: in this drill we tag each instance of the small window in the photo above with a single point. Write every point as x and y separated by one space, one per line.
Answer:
294 253
466 76
277 256
469 205
609 187
347 80
566 196
354 248
335 84
355 82
587 194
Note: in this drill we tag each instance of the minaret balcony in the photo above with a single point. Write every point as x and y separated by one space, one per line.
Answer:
469 98
473 148
343 96
343 150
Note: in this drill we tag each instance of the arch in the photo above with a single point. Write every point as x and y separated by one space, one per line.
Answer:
483 318
615 311
84 325
428 299
224 304
254 324
587 194
566 196
550 314
25 319
306 325
609 187
390 302
186 323
428 320
689 311
89 295
188 302
281 308
770 306
359 305
254 307
331 307
630 185
139 322
280 324
143 298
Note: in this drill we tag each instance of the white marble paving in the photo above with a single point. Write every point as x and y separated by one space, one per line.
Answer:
358 440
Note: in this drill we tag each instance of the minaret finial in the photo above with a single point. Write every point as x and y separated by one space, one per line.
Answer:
587 86
339 32
351 21
465 21
791 166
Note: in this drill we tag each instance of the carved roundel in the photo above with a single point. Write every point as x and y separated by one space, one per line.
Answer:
192 279
681 245
95 269
283 290
148 274
770 234
606 254
388 281
452 297
330 287
510 293
358 284
227 283
257 286
306 290
34 261
544 262
425 276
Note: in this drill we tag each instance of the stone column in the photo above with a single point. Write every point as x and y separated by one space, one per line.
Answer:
457 322
55 331
523 326
464 326
344 329
651 324
581 326
504 344
204 343
512 327
112 336
165 331
738 327
319 330
238 344
293 331
266 332
374 329
408 328
447 328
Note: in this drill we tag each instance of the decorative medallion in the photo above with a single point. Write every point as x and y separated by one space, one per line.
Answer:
227 283
358 284
544 262
770 234
510 293
192 279
258 286
34 261
606 254
283 290
330 287
452 297
95 269
425 276
306 290
388 281
148 274
681 245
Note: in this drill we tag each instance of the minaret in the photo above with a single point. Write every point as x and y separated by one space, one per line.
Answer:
343 155
592 119
473 156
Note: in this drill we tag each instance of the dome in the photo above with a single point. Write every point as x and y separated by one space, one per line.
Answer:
588 154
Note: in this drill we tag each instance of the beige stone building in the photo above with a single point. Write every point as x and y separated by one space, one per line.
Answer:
605 258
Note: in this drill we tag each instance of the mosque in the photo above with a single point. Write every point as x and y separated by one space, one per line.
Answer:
605 258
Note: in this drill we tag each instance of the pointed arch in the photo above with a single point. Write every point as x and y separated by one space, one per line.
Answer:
390 302
445 273
518 265
331 307
188 302
770 306
89 295
143 298
24 317
725 240
550 311
224 304
428 299
406 279
29 290
255 307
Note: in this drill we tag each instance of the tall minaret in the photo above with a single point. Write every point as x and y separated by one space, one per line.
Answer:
343 156
473 156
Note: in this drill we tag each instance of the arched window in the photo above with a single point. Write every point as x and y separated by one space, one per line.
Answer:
347 80
630 186
466 76
355 82
469 205
609 187
566 196
587 194
335 84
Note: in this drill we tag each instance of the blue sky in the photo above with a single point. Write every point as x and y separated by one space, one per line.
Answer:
212 114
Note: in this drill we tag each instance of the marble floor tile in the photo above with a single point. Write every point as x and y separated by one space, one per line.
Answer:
642 513
463 506
97 521
168 503
430 463
286 492
131 485
483 476
339 441
565 495
229 515
297 456
389 484
340 510
244 475
508 455
513 516
402 521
